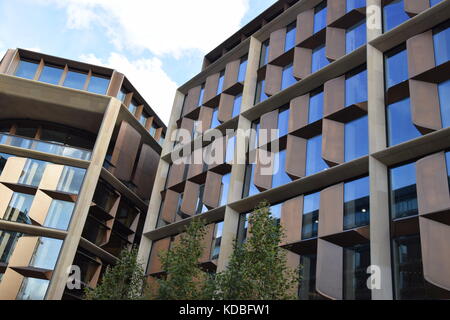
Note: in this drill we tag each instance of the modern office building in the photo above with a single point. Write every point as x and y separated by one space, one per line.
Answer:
79 149
359 92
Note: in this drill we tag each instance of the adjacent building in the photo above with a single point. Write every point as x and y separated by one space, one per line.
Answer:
79 149
359 92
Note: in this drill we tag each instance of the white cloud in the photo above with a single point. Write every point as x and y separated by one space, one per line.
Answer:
162 27
147 76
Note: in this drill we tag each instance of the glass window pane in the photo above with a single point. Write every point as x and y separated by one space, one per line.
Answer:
98 85
356 262
447 159
250 188
320 16
319 59
283 123
224 189
434 2
315 107
19 208
215 121
307 290
237 105
133 107
400 126
217 241
33 289
355 4
444 98
441 40
264 54
314 161
355 37
310 224
356 203
280 176
71 180
75 80
59 215
396 67
356 139
403 191
122 95
26 69
8 241
260 94
32 172
394 14
356 88
288 79
46 254
220 85
242 69
290 37
51 75
202 93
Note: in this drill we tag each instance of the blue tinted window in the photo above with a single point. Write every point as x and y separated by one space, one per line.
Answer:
319 60
403 191
59 215
356 88
51 75
314 161
393 15
400 126
290 37
215 121
202 93
122 95
260 94
287 79
320 17
355 37
237 105
283 122
355 4
220 85
434 2
75 80
310 224
225 189
229 157
396 65
280 176
250 188
447 159
242 69
264 53
98 85
18 208
275 211
26 69
46 253
444 98
356 203
356 139
315 107
441 40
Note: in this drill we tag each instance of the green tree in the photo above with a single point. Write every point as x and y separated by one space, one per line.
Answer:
258 268
124 281
183 278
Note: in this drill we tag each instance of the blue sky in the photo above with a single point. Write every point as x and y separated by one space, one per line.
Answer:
159 45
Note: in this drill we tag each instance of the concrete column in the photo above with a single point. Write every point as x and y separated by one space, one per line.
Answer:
60 275
231 221
380 249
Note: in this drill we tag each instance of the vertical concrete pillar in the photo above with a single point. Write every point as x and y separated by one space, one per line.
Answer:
380 250
81 210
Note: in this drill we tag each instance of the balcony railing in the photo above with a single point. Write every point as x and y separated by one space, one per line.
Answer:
43 146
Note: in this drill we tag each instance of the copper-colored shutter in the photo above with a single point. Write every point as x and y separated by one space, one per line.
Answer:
212 83
273 79
302 62
188 125
425 106
295 157
145 173
263 171
170 206
432 184
329 273
335 10
277 43
115 84
332 142
125 151
306 22
333 95
299 113
231 74
207 243
191 101
196 165
158 246
176 174
268 122
205 118
291 220
420 50
225 107
335 43
414 7
190 198
434 238
211 195
331 213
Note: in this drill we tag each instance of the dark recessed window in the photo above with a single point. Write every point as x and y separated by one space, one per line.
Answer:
133 107
314 160
315 106
287 78
356 87
98 84
260 94
290 36
3 159
307 290
403 192
143 118
400 125
264 53
51 74
201 208
396 66
217 241
280 176
356 203
356 139
394 14
444 98
75 80
320 16
310 224
250 189
122 95
441 38
356 262
355 37
26 69
319 59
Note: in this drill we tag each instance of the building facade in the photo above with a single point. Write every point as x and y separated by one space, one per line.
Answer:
359 93
79 149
